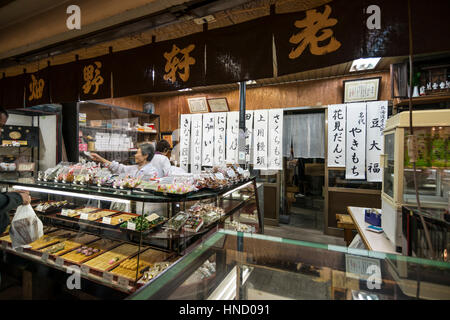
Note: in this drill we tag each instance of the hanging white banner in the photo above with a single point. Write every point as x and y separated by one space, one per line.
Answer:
208 140
196 143
377 112
185 141
232 137
260 122
356 142
220 124
248 135
336 135
275 131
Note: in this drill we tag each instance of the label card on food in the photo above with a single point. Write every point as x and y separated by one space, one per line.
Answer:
84 269
107 276
44 256
123 282
106 220
84 216
59 261
131 226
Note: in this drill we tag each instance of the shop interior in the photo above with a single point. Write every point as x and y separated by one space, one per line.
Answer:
233 231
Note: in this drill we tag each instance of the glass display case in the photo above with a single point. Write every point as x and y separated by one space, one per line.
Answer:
432 130
121 238
239 266
110 131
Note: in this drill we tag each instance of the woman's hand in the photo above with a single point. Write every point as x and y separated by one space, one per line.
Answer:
26 199
97 158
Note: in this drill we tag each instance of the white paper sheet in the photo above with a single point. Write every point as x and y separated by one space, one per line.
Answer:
336 135
377 113
356 142
220 125
232 137
248 136
208 140
260 140
275 137
196 143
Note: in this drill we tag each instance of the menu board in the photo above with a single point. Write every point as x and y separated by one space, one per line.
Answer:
220 124
260 122
185 139
232 137
356 141
196 143
275 150
208 140
336 135
248 135
376 121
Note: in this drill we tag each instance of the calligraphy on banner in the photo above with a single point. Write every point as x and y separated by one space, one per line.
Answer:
275 150
178 62
260 122
220 124
356 141
208 140
336 135
248 135
196 143
95 81
37 88
185 141
377 112
232 137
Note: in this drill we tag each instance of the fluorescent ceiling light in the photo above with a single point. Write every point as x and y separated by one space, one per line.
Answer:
187 89
364 64
236 189
70 194
250 82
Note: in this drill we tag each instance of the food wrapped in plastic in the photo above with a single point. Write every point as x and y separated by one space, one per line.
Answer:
178 221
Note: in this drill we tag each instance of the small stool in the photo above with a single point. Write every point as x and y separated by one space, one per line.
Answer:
344 221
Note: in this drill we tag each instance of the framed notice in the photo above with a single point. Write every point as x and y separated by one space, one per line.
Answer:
218 105
361 90
197 105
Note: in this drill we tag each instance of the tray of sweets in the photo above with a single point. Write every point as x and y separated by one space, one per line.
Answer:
116 220
193 224
112 258
70 244
147 259
90 251
51 239
98 215
74 214
52 206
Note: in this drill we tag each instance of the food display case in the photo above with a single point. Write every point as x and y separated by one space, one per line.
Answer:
432 130
233 266
113 236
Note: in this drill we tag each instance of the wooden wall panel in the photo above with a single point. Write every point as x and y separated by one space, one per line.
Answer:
133 102
289 95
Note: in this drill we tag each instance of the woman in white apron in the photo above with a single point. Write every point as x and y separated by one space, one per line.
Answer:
143 169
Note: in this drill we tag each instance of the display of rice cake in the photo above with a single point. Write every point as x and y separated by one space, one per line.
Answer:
69 245
86 210
127 268
121 218
113 257
90 251
147 258
100 214
50 239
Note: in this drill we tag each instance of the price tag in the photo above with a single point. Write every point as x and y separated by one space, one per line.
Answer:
123 282
106 220
84 269
19 249
59 261
44 256
84 216
220 176
107 276
131 226
65 212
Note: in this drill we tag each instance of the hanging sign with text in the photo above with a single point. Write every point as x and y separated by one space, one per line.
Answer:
260 122
376 121
196 143
185 141
356 142
275 150
336 135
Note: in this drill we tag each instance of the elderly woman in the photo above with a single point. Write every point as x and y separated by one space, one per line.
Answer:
142 168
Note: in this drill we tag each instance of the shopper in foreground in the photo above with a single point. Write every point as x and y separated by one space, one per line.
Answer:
10 200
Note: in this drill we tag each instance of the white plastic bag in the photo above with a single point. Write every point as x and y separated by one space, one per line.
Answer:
26 227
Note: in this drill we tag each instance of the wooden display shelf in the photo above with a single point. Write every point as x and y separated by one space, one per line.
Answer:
434 98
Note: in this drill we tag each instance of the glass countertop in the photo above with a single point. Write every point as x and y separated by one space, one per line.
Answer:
235 265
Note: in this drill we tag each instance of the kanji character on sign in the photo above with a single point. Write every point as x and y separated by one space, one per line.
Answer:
36 88
91 74
314 23
175 63
374 145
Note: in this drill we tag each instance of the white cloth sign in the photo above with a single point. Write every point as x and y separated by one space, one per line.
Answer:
377 112
275 150
336 135
356 142
232 137
248 135
196 143
260 122
185 141
220 124
208 140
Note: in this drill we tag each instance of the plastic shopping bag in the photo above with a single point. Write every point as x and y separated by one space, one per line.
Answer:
26 227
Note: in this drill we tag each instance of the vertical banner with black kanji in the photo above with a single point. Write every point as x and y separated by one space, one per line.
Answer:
220 125
196 143
208 140
275 138
377 113
248 136
260 122
185 141
232 137
356 142
336 135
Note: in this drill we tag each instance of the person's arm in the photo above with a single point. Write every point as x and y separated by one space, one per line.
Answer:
10 201
166 166
114 166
